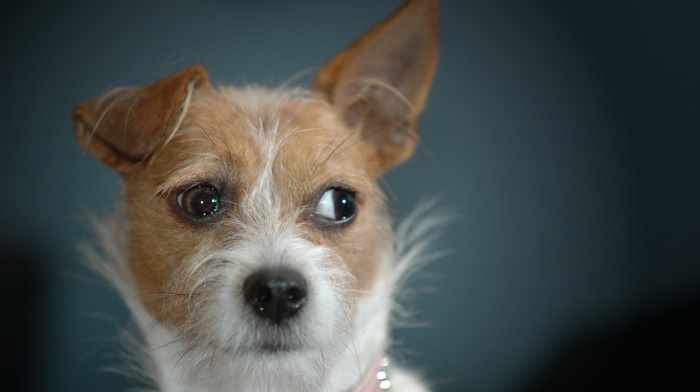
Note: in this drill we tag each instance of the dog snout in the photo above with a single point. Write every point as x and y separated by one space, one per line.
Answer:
275 294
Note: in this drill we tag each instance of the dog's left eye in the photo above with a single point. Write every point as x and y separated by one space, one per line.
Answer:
199 201
337 205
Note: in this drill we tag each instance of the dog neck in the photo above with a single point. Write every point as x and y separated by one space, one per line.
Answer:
377 379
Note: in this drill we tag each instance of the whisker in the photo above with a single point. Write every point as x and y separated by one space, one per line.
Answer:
296 76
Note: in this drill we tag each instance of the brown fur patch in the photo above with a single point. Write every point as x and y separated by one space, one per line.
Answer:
226 140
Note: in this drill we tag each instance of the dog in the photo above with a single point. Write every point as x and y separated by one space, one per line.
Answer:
252 242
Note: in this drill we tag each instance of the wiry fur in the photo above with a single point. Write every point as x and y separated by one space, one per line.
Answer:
227 186
217 346
157 356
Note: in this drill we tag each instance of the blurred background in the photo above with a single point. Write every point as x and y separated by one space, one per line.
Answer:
564 136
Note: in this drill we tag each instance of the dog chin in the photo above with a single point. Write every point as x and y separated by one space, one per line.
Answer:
256 369
272 347
286 342
278 348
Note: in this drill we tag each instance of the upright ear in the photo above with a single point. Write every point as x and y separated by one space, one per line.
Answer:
127 126
380 83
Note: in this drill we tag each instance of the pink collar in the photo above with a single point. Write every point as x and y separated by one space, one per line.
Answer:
377 379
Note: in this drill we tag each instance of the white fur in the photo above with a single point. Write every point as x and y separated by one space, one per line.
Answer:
338 352
331 348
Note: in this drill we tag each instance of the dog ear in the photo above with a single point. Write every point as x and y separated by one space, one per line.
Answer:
126 126
380 83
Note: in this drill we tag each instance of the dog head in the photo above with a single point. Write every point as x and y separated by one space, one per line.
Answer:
253 222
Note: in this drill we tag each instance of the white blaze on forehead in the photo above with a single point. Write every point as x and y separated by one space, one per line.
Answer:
262 110
268 144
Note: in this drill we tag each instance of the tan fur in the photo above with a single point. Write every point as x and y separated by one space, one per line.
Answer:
271 154
127 125
381 82
218 147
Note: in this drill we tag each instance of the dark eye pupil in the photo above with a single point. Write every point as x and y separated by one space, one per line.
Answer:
200 201
344 204
204 203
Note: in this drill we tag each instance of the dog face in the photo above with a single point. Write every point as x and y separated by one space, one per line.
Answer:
255 181
253 220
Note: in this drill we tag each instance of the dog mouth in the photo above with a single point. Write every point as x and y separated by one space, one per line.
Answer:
276 339
273 347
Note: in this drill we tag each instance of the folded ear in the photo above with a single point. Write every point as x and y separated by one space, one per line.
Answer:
127 126
380 83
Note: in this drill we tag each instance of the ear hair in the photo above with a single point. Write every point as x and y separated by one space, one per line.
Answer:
380 83
128 125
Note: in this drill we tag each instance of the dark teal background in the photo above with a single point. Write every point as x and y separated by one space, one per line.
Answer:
564 136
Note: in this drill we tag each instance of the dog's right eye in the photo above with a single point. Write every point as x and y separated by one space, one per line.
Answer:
199 201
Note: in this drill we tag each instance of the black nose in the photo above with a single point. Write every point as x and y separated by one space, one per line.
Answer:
275 294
